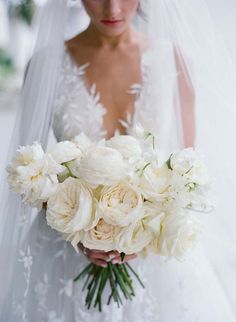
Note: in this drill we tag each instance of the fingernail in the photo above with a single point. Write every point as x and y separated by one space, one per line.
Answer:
104 265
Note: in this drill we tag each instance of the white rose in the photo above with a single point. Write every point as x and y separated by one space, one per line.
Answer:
101 237
103 166
127 145
120 204
71 208
33 174
65 151
179 234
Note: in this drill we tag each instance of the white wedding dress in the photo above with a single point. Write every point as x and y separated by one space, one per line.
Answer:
175 292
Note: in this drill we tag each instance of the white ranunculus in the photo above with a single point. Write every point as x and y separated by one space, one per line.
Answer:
65 151
103 166
120 204
33 174
187 162
71 208
101 237
127 145
179 234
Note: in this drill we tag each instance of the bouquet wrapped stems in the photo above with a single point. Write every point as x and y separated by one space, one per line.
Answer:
117 275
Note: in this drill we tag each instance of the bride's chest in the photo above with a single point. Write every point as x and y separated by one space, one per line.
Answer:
80 106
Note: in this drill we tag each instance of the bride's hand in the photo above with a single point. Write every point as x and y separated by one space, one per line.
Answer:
101 258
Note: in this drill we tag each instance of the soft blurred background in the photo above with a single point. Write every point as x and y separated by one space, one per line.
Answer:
16 38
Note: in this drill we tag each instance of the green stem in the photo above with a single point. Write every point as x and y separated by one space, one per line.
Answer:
90 295
115 292
104 276
87 268
135 274
121 282
126 277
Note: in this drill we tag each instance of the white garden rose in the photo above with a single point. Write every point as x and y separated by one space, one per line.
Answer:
127 145
65 151
33 174
101 237
120 204
103 166
179 232
71 208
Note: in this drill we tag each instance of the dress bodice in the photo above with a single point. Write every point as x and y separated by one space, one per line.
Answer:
78 108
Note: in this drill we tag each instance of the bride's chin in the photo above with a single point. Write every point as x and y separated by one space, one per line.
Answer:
111 31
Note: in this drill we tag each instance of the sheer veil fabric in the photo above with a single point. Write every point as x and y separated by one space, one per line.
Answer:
179 292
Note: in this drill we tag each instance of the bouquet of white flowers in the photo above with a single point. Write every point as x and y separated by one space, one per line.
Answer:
115 195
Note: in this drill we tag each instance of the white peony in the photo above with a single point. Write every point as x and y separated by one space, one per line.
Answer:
65 151
101 237
127 145
179 234
103 166
33 174
120 204
71 208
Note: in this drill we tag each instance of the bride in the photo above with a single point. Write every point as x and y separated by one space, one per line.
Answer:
145 61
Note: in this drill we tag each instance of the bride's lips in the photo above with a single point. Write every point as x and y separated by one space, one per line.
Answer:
108 22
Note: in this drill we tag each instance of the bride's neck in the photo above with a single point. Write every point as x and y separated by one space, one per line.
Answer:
94 37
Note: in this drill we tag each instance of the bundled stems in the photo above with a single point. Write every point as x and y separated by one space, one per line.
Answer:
116 276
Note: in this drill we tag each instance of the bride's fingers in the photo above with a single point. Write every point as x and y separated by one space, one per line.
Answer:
126 259
99 255
98 262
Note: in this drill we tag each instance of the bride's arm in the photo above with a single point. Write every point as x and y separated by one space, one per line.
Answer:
187 101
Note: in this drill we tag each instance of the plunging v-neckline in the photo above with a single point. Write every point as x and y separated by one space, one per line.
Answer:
92 93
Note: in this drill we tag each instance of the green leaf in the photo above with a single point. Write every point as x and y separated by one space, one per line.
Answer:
168 163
